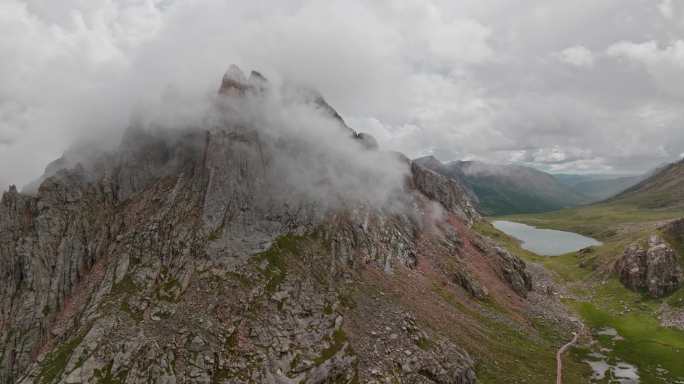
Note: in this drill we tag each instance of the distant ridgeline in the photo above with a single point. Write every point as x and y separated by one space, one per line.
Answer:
509 189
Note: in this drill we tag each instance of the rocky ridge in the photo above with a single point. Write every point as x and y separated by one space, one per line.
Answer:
181 258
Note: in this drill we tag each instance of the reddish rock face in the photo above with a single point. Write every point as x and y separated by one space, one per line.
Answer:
654 270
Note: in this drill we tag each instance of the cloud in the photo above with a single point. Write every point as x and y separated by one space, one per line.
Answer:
648 53
578 56
311 155
665 8
664 64
467 79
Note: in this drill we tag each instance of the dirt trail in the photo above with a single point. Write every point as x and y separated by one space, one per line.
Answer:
559 358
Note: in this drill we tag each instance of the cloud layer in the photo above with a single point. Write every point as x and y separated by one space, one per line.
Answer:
588 85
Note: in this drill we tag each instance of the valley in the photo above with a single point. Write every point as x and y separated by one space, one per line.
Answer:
628 328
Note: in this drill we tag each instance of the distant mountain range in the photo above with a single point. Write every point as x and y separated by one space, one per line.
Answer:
512 189
598 187
508 189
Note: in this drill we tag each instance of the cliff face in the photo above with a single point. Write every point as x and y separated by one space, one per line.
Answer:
185 257
654 270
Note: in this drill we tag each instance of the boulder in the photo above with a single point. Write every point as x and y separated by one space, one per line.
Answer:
654 269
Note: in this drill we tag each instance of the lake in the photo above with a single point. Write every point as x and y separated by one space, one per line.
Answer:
546 242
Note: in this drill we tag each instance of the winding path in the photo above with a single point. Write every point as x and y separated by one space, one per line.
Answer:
559 358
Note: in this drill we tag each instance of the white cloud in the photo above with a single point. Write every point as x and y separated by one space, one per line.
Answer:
578 56
649 53
665 8
460 41
664 64
456 79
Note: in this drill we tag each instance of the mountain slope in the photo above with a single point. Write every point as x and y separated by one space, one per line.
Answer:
509 189
664 189
248 251
598 187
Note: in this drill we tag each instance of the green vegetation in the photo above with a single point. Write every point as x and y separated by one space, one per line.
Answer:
337 342
125 286
665 189
642 342
233 341
169 290
507 189
276 260
216 233
676 299
501 349
125 289
602 221
135 315
54 364
598 187
221 375
424 343
504 197
602 301
105 375
346 297
531 358
616 224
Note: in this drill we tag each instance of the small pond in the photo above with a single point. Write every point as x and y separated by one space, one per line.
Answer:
545 242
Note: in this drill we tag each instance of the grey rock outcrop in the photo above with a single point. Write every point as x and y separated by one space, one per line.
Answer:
444 190
514 271
654 270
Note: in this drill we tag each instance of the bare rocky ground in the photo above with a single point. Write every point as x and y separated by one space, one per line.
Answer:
672 317
546 303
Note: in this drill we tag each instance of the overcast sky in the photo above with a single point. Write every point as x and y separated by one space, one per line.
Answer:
565 86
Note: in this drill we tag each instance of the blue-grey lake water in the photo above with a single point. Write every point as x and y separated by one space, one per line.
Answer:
545 242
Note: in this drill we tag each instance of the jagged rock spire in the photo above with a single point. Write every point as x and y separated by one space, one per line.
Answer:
234 81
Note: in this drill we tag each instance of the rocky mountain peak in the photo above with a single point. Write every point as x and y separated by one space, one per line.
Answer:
234 81
256 77
429 162
241 253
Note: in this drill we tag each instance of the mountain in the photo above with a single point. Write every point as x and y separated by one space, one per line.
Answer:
508 189
454 173
598 187
663 189
269 244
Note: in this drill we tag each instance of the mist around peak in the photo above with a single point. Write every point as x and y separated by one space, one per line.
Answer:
307 150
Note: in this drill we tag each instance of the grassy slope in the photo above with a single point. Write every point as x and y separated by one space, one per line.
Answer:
602 189
665 189
523 190
603 300
500 199
530 359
